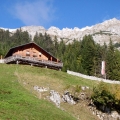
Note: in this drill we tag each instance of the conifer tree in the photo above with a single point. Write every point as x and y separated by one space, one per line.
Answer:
87 54
110 60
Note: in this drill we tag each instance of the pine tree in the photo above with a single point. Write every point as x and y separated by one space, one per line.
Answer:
87 54
110 61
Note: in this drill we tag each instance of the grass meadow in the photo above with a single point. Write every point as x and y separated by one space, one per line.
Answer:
19 101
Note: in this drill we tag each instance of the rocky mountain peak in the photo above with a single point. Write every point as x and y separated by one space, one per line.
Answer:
111 21
101 32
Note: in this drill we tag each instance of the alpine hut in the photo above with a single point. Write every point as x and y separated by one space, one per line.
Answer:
32 54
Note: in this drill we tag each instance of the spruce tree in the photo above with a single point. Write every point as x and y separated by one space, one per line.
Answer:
87 54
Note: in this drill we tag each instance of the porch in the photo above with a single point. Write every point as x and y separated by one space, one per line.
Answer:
17 59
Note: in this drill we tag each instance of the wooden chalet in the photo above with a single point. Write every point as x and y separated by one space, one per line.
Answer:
32 54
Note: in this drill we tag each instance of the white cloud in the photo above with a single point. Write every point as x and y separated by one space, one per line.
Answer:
40 12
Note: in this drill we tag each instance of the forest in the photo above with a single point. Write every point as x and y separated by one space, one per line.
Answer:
83 56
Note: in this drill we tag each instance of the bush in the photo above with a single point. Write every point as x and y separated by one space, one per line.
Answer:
102 96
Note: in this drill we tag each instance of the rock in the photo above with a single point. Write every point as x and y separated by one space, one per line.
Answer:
115 115
84 87
55 97
40 89
82 96
67 97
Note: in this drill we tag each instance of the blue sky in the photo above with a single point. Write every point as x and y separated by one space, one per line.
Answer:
58 13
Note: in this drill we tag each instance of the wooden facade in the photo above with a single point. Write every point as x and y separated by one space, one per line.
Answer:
32 54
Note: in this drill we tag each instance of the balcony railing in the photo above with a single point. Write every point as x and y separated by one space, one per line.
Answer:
30 60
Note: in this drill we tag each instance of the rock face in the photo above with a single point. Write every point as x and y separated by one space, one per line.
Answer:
67 97
102 32
112 115
55 97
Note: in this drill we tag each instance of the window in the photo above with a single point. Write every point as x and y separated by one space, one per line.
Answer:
34 54
27 53
40 54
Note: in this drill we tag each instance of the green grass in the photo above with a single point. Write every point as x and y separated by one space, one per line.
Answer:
18 100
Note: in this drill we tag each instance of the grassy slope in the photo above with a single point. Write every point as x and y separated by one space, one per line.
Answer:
17 102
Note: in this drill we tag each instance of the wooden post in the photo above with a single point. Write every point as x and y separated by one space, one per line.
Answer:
51 58
17 62
1 57
21 52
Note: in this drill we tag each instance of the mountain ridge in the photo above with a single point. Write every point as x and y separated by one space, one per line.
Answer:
101 32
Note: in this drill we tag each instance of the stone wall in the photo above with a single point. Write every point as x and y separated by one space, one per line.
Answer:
92 77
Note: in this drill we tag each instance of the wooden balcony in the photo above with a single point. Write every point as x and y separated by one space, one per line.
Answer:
32 61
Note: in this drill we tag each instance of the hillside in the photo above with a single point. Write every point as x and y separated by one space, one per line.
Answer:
20 101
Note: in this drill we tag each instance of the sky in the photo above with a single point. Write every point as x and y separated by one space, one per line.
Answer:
58 13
